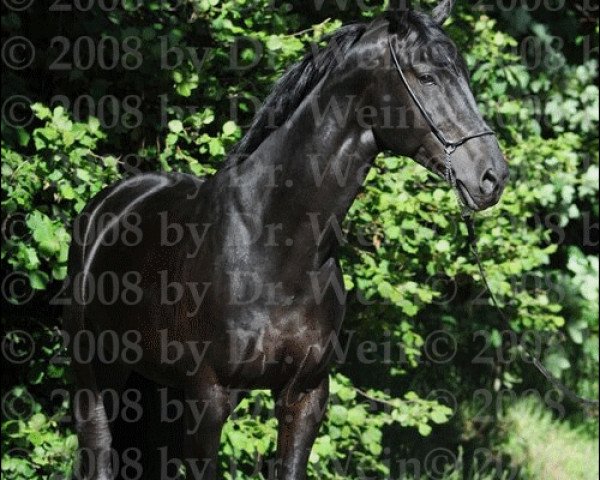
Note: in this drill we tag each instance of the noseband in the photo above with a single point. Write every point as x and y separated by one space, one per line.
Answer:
449 146
449 149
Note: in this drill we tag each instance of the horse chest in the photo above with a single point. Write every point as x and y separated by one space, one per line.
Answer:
265 349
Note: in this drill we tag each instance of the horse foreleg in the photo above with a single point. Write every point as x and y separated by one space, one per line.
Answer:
299 418
206 410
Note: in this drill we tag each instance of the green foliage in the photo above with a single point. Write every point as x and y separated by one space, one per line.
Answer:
48 188
35 441
354 423
37 449
547 448
413 267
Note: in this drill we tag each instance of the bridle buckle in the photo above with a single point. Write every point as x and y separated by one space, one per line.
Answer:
450 149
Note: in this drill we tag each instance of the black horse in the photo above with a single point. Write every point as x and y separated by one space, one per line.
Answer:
217 285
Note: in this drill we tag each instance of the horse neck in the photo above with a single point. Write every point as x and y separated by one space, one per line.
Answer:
304 177
328 152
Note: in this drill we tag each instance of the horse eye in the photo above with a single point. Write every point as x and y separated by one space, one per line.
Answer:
427 80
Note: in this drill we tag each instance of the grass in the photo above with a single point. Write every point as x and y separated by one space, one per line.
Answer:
547 448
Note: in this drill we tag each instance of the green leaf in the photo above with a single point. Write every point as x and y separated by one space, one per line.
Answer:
175 126
38 280
37 421
424 429
438 416
229 128
357 416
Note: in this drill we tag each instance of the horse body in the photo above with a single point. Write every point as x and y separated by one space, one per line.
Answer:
232 282
235 241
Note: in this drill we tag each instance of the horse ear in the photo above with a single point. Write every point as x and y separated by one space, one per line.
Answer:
441 13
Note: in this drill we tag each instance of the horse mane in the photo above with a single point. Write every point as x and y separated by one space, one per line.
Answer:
301 78
295 84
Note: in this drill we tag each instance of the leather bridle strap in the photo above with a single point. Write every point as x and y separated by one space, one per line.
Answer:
584 402
449 146
467 216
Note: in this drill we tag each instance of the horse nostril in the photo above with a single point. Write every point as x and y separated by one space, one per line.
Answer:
489 183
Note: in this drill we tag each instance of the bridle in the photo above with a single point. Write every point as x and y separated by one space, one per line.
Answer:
467 216
449 146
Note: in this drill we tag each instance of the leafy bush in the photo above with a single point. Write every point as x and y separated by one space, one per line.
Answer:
47 189
354 424
409 275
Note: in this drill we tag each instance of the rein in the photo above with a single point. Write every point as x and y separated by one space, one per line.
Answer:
583 402
467 216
